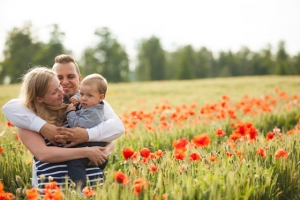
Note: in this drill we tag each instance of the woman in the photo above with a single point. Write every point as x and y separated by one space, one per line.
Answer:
41 93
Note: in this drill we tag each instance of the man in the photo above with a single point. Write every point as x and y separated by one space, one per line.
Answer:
69 76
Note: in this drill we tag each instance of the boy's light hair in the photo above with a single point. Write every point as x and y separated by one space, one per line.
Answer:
98 80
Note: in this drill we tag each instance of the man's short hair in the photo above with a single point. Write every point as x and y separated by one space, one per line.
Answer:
64 58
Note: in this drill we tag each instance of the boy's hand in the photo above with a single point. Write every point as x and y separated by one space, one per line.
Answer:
71 107
73 100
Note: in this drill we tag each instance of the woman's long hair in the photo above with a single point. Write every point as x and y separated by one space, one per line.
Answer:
35 84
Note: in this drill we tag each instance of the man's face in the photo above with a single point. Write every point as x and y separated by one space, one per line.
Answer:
68 77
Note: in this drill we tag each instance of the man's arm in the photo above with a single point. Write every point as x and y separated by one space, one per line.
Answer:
110 129
23 117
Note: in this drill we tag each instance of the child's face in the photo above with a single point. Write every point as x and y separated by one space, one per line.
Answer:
54 95
89 95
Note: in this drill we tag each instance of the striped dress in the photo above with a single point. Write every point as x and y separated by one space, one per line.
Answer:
59 173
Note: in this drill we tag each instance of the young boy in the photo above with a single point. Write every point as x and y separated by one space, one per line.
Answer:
89 113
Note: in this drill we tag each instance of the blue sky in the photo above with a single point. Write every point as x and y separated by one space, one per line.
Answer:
215 24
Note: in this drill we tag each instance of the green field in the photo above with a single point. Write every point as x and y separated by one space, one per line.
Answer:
156 114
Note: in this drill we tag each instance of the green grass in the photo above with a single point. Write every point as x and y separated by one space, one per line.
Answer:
237 177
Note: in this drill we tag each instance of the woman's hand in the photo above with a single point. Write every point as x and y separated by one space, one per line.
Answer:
109 148
96 155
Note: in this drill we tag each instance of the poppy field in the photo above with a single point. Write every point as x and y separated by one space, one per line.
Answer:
229 138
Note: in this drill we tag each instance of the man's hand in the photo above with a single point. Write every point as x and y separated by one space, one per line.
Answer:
75 135
49 131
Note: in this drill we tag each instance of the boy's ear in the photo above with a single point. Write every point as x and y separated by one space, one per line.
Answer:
39 99
102 96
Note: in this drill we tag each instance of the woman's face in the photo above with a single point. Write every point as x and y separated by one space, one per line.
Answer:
54 95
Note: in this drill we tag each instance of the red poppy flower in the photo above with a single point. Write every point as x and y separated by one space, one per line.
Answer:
9 124
179 154
253 133
159 153
235 136
32 194
1 150
127 153
270 136
139 185
201 140
261 152
195 157
281 153
291 132
213 158
181 143
51 186
145 152
220 132
228 154
88 192
121 178
153 168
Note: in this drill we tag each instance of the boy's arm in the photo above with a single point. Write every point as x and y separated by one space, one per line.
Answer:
107 131
83 118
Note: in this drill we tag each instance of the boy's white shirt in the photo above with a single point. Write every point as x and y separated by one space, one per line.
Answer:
110 129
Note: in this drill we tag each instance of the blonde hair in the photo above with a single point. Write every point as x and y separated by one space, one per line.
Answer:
64 59
97 80
35 83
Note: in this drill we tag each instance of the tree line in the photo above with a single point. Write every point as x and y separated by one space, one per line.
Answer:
108 57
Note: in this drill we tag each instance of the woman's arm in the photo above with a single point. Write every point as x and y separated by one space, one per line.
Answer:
52 154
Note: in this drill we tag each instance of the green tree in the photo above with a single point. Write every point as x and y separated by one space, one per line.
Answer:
172 63
244 65
222 65
50 50
151 60
267 64
107 58
204 63
20 48
296 63
282 64
187 63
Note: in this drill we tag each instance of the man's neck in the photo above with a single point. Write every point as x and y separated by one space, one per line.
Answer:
66 98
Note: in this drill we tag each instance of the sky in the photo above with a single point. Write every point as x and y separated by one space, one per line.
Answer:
218 25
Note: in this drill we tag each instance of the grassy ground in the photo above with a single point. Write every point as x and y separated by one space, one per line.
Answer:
150 123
